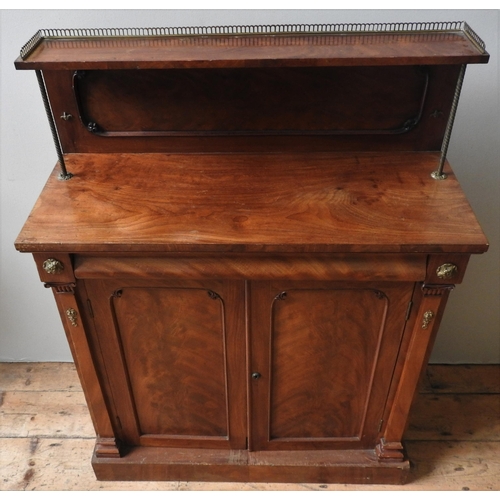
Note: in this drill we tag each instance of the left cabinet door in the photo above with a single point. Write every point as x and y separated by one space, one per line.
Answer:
172 358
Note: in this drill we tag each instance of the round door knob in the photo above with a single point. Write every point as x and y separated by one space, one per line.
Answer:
256 375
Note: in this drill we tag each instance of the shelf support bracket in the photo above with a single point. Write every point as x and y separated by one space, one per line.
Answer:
439 175
64 175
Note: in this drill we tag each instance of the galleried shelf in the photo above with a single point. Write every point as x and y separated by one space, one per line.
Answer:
251 234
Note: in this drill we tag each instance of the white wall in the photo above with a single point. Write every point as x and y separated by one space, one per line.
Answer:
29 326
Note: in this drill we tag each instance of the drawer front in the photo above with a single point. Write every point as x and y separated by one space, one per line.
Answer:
337 267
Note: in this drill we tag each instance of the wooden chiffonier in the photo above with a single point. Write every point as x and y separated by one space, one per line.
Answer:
251 234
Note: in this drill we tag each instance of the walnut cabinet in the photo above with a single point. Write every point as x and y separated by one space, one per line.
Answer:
251 235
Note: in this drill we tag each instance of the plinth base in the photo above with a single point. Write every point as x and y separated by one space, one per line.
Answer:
315 466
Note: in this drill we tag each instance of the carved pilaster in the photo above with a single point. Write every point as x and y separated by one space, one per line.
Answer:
424 323
107 448
389 452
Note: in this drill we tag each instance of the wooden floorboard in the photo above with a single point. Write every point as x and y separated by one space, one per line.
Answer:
463 417
45 414
47 439
39 377
462 379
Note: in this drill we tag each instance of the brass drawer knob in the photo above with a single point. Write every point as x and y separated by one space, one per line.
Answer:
447 271
53 266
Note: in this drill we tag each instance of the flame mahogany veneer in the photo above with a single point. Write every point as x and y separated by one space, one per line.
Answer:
251 259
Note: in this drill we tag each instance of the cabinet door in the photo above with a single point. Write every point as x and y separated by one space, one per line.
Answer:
172 360
322 357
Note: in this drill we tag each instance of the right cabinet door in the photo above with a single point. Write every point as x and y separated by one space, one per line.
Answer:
322 355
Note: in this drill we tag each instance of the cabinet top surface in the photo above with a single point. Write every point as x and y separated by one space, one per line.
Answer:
252 202
254 46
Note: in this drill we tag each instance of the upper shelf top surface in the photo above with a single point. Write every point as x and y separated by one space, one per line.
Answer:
254 46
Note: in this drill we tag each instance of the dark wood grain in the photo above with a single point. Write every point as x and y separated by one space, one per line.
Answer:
339 267
264 101
179 387
255 51
288 203
250 110
175 359
325 354
318 387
